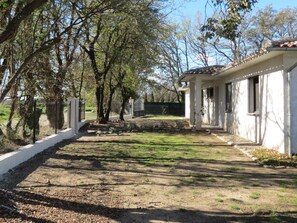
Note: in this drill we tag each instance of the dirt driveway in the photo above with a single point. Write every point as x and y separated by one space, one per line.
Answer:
147 178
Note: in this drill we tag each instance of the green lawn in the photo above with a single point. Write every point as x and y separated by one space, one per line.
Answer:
90 115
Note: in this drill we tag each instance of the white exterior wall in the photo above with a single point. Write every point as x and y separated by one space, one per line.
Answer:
275 124
267 128
187 103
272 131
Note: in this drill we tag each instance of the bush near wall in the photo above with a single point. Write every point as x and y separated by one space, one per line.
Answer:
274 158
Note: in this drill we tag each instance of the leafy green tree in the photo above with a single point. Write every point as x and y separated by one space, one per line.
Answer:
227 17
117 37
20 11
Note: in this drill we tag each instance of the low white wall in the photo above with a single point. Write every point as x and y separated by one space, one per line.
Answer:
81 124
11 160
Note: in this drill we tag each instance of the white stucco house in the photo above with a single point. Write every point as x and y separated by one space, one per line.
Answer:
254 97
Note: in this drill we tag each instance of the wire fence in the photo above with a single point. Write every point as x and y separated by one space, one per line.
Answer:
29 121
164 108
82 111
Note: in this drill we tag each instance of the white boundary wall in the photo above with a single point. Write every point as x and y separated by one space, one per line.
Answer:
13 159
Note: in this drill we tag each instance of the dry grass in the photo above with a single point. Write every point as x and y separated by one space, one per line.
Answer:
150 177
274 158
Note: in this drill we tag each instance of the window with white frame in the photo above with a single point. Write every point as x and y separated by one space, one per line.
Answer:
228 103
254 94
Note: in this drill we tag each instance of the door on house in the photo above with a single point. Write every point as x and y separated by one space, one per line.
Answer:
210 106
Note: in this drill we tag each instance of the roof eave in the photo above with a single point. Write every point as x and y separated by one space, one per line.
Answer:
284 49
258 59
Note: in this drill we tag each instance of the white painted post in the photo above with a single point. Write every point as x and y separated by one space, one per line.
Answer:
74 114
198 120
192 102
131 102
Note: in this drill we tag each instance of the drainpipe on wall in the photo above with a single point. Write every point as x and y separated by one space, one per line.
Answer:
198 118
192 103
287 75
287 111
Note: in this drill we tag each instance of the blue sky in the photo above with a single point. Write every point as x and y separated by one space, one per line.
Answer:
187 9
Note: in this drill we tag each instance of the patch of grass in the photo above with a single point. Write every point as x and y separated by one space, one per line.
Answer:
234 207
91 115
255 195
274 158
115 196
90 108
294 202
274 218
157 149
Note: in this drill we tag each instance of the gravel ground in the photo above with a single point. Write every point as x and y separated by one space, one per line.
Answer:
27 194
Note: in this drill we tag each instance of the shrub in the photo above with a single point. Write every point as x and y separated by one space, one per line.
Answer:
274 158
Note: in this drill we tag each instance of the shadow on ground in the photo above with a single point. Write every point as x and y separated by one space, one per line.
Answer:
12 194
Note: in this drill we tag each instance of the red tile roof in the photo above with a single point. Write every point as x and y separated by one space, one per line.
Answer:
205 70
286 43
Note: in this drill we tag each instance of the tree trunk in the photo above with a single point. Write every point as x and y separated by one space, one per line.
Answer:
108 110
122 111
2 137
12 110
99 98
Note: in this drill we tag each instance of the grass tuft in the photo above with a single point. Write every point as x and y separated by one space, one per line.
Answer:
255 195
234 207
